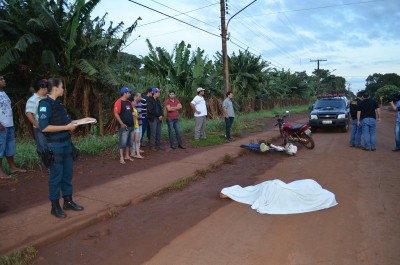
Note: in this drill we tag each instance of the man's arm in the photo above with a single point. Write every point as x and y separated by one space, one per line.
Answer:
358 117
32 119
378 114
393 105
194 108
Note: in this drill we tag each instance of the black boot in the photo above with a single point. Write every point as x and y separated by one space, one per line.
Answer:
69 204
56 209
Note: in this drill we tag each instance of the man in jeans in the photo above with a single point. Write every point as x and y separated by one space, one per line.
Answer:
229 114
355 136
155 116
173 106
7 133
367 115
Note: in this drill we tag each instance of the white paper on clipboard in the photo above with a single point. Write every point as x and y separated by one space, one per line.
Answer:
85 122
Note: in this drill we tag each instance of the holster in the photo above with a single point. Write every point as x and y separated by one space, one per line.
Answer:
47 157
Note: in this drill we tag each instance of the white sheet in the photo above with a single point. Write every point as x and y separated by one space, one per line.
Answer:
277 197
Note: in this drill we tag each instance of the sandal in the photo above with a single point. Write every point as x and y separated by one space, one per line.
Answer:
139 156
129 158
122 162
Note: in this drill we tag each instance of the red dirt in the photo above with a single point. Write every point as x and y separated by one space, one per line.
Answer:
194 226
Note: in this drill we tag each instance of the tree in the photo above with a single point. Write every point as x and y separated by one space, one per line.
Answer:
376 81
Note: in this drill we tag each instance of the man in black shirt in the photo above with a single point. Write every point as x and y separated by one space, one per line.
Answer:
367 115
155 116
355 136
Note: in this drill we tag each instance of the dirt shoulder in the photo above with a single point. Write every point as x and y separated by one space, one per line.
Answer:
194 226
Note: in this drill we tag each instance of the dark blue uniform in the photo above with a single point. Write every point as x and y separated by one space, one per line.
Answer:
52 112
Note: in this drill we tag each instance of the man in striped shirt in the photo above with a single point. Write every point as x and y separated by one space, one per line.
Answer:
31 112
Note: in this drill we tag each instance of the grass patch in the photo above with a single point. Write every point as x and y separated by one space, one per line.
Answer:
24 256
228 159
96 145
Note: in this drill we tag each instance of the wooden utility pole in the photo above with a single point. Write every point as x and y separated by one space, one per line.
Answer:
224 48
319 77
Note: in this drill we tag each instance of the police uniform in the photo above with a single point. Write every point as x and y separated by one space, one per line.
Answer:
356 131
53 112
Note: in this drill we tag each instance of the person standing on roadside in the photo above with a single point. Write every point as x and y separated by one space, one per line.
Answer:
199 107
173 106
229 114
31 112
145 120
396 107
57 127
367 114
356 131
7 133
135 141
155 116
123 113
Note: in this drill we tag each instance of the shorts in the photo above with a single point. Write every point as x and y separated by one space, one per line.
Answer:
125 137
7 142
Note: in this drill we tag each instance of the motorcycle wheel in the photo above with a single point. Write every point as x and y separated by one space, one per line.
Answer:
307 141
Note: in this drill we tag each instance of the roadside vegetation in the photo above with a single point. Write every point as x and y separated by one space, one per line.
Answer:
24 256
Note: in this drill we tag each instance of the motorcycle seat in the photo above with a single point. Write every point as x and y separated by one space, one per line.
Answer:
296 127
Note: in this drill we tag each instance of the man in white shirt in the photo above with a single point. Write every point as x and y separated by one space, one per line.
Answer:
199 107
31 112
7 133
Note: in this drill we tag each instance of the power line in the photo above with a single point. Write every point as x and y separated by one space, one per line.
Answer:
180 13
174 18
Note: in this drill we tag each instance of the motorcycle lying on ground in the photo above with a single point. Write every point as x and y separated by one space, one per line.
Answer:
299 133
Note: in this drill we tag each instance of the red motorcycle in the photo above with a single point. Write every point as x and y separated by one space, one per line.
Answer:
299 133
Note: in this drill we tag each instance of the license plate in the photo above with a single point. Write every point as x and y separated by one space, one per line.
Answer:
308 132
327 122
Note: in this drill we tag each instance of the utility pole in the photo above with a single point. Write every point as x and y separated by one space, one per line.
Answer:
224 33
224 48
319 77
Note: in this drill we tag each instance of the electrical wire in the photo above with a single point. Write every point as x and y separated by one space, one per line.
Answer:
174 18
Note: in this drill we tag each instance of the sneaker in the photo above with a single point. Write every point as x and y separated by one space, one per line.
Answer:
396 150
181 147
373 149
365 149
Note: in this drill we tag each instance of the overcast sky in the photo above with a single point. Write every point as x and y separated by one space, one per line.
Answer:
355 37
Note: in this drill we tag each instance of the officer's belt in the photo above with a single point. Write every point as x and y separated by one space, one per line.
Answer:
59 140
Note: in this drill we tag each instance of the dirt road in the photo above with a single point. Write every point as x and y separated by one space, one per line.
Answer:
194 226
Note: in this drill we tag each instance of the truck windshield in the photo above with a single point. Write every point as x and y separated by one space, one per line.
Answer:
329 103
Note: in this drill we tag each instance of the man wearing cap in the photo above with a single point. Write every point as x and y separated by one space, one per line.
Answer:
31 112
198 105
124 115
155 116
7 134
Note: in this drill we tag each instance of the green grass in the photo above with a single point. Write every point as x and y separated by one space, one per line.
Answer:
96 145
24 256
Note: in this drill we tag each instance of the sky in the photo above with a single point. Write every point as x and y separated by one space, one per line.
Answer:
352 38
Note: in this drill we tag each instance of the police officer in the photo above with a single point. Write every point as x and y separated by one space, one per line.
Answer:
355 136
57 127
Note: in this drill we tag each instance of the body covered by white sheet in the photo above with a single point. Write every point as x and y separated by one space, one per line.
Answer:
277 197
